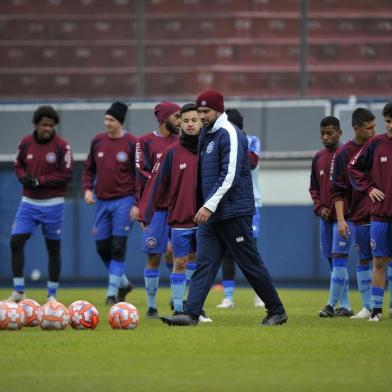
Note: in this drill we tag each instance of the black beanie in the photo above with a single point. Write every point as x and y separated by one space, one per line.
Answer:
118 110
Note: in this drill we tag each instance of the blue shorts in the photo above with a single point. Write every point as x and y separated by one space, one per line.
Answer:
381 238
156 236
112 217
256 223
362 241
29 216
330 240
183 241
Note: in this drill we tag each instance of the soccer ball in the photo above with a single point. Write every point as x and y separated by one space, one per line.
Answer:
83 315
12 315
54 316
33 312
123 316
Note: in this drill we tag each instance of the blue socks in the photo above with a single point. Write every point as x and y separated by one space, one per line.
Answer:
228 289
19 284
364 279
116 271
339 277
377 297
52 288
178 287
151 280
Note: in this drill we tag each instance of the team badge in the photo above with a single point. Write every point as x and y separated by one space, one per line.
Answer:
122 156
51 157
151 242
210 147
373 244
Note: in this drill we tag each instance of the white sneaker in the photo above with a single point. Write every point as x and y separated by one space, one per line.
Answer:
203 318
258 302
51 298
376 317
16 296
364 313
226 303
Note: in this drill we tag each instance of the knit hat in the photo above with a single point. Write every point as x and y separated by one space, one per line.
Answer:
211 99
118 110
164 110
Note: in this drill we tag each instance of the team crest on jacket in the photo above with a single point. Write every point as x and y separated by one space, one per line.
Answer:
51 157
151 242
122 156
210 147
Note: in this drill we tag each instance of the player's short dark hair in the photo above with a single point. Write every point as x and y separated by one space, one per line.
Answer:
330 120
387 111
360 116
235 117
188 107
45 111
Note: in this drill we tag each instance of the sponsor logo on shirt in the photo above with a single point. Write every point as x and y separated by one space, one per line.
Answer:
383 159
321 172
182 166
30 156
100 154
51 157
159 154
210 147
122 156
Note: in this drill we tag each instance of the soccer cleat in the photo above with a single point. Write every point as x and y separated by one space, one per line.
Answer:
203 318
364 313
111 300
16 296
375 316
51 298
180 319
226 303
327 311
343 312
152 313
258 302
123 291
275 319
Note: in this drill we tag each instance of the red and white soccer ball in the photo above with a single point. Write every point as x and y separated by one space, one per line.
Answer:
33 312
83 315
12 315
54 316
123 316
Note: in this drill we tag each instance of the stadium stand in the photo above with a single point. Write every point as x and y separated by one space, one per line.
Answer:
90 49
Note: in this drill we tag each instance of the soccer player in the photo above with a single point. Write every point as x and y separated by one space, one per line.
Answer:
109 182
225 206
228 264
176 175
43 165
149 149
334 247
370 172
364 125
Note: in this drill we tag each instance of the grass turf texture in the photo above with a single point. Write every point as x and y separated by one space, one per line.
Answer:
232 353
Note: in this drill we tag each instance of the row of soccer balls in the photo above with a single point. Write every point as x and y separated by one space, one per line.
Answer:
56 316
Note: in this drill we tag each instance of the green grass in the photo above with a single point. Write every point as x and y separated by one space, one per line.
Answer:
232 354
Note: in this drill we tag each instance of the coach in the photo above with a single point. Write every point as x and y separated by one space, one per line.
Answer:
225 198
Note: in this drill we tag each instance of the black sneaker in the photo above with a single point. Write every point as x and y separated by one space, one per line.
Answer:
275 319
152 313
327 311
180 319
122 292
110 300
343 312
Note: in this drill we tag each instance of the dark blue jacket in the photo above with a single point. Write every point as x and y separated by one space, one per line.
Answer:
224 175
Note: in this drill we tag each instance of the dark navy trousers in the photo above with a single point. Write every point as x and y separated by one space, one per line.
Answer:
235 235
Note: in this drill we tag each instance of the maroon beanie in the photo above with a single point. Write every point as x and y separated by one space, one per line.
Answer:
211 99
164 110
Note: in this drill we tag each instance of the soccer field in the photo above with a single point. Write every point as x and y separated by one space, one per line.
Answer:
232 353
